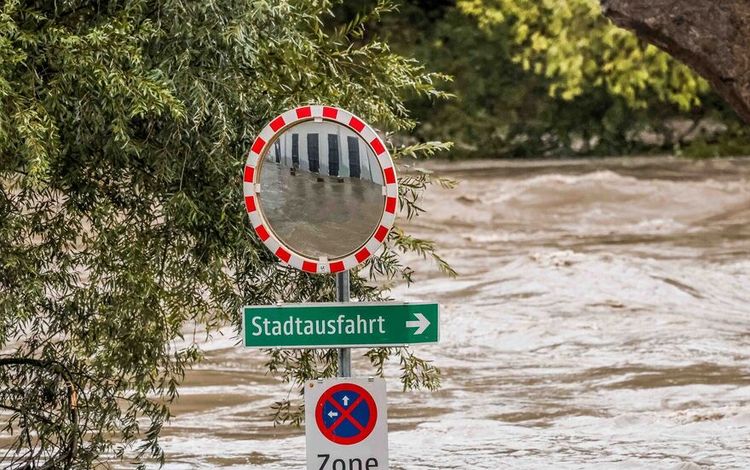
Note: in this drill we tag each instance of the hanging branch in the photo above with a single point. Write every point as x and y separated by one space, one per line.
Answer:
70 449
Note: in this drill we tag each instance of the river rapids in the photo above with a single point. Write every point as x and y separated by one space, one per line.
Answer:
601 320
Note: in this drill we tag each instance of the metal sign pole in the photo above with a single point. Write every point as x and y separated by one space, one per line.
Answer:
342 295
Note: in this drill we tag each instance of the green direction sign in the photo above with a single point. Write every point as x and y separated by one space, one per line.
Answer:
329 325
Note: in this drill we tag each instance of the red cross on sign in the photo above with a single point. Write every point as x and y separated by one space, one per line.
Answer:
346 414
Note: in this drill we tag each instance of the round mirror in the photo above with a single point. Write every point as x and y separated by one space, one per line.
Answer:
322 189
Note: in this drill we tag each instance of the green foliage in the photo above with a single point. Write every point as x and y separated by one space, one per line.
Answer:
735 141
538 78
574 45
122 130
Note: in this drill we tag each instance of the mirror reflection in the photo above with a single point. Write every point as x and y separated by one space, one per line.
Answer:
321 189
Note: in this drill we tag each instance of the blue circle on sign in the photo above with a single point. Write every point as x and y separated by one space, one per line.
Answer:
346 413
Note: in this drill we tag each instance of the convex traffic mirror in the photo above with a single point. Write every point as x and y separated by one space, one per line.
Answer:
320 189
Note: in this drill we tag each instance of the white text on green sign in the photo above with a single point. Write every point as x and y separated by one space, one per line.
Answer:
340 324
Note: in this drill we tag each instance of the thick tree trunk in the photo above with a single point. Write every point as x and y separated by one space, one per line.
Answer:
712 36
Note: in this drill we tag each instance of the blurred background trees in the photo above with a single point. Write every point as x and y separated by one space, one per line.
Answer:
709 35
555 78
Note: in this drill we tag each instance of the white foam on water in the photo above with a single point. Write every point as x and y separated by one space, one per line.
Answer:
601 321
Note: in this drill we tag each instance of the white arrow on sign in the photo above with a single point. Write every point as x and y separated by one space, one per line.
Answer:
420 324
332 414
345 400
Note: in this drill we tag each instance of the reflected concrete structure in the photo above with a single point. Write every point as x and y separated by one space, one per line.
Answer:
321 190
328 149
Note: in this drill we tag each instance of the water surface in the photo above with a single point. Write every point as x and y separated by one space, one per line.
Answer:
601 321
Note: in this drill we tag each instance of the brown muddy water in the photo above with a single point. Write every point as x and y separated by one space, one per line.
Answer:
298 208
601 321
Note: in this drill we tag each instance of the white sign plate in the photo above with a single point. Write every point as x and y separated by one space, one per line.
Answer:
346 424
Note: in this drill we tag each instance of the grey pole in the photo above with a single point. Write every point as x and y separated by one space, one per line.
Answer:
342 295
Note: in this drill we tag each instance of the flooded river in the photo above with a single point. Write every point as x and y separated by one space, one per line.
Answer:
601 320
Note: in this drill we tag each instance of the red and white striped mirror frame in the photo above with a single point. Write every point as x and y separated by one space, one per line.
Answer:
251 187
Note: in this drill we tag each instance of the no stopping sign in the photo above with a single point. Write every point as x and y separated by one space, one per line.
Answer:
346 414
346 424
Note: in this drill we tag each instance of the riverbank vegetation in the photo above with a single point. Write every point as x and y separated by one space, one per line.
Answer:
547 79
